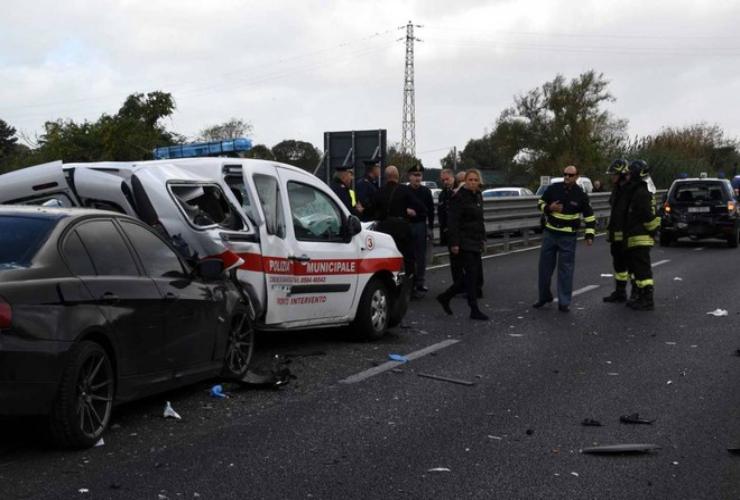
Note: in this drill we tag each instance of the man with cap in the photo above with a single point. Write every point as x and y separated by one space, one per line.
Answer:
342 187
366 189
422 225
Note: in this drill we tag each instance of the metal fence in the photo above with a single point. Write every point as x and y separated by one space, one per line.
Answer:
515 222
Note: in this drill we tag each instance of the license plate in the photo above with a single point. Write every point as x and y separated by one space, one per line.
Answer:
695 210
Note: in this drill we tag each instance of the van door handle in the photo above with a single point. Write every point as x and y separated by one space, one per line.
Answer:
301 258
110 297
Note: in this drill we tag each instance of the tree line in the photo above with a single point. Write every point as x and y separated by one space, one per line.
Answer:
559 123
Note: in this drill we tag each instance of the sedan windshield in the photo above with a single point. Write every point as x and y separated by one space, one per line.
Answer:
20 239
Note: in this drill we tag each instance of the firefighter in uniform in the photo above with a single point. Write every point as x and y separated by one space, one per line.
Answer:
640 227
618 201
562 203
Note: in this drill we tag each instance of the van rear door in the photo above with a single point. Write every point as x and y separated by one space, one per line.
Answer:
37 185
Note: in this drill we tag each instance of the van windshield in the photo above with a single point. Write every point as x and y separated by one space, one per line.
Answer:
22 237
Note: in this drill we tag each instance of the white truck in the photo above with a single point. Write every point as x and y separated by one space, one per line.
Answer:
303 260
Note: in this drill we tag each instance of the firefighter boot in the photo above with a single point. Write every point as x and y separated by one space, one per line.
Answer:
634 293
645 301
619 294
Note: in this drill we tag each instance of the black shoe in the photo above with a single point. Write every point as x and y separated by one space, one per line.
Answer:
477 314
444 301
541 303
563 309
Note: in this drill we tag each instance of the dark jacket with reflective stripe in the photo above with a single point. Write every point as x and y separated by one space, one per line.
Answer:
575 203
642 221
343 192
466 227
619 202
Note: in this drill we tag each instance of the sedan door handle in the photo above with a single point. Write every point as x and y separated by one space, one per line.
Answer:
110 297
301 258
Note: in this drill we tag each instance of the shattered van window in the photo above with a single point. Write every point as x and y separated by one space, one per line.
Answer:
236 183
315 216
206 205
268 191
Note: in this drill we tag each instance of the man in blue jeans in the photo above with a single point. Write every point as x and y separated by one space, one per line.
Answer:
563 204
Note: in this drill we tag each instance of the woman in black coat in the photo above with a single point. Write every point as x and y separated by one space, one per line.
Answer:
467 235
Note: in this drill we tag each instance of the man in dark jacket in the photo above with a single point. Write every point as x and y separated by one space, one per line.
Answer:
640 227
341 184
447 179
422 225
393 206
366 189
563 204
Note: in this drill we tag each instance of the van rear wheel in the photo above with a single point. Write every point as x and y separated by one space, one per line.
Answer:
373 313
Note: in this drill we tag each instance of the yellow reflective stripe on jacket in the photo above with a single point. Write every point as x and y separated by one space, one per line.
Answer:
541 205
590 231
642 240
566 229
617 236
563 216
625 276
590 218
353 197
653 224
644 283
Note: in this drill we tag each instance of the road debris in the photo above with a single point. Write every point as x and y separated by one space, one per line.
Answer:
516 335
670 343
530 432
439 469
170 412
669 382
607 275
734 451
616 449
398 357
99 443
446 379
575 474
677 279
497 438
590 422
83 491
274 374
217 391
635 418
718 312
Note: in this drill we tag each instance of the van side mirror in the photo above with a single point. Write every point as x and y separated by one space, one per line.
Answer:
210 269
353 226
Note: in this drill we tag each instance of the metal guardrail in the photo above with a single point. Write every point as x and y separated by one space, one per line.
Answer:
505 217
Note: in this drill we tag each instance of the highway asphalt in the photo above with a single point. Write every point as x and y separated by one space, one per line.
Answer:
352 426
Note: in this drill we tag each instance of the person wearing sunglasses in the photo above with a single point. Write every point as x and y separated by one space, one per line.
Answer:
563 204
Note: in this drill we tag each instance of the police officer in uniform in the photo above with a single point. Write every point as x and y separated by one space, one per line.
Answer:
366 189
393 206
640 227
422 225
342 187
619 201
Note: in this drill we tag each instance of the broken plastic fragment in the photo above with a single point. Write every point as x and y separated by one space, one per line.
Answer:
446 379
170 412
607 275
398 357
635 418
439 469
217 391
718 312
83 491
620 448
677 279
272 374
99 443
590 422
575 474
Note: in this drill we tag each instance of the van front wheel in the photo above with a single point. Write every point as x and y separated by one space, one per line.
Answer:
373 312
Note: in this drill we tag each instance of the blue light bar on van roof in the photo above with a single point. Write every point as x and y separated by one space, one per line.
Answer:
195 149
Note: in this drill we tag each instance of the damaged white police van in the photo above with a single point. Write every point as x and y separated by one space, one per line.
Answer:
302 259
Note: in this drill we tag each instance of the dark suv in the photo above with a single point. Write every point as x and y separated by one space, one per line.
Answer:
700 208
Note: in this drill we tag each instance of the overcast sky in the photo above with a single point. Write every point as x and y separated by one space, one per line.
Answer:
295 69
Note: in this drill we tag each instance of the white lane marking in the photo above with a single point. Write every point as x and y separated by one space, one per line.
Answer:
698 249
503 254
660 262
585 289
389 365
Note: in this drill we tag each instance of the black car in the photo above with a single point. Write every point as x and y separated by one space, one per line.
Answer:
96 308
700 208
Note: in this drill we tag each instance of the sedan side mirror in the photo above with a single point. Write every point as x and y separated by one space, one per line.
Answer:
210 269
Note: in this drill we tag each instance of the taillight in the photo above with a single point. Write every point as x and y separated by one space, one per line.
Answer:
667 208
6 314
731 206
